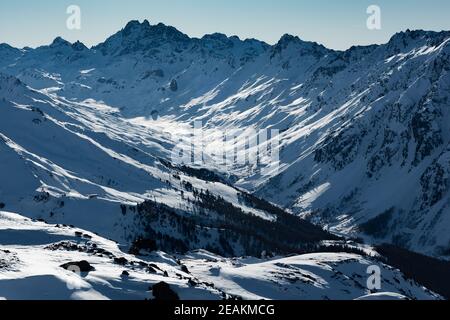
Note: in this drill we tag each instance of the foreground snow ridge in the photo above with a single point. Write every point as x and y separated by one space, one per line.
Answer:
32 253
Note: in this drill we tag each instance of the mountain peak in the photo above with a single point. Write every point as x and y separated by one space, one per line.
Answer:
134 26
291 42
137 36
216 36
135 29
60 42
289 38
412 37
79 46
217 41
5 46
136 23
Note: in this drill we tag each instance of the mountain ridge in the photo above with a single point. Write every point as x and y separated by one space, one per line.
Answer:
148 28
352 122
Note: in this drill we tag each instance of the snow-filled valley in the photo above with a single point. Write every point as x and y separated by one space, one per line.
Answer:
86 147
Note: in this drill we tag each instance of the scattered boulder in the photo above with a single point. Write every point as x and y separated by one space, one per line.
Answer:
122 261
2 205
162 292
42 197
151 270
192 283
65 245
125 273
155 115
82 266
173 85
185 269
154 266
159 73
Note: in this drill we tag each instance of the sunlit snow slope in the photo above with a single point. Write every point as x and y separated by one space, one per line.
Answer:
79 164
32 256
364 132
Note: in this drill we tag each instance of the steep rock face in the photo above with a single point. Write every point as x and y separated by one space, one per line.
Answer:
387 153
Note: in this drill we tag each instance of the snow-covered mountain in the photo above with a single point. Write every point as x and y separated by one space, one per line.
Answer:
364 145
79 164
87 136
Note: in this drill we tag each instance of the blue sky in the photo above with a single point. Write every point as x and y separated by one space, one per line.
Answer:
336 24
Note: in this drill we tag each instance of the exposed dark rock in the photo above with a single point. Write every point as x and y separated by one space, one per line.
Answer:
122 261
158 73
83 266
185 269
65 245
143 244
192 283
162 292
173 85
150 269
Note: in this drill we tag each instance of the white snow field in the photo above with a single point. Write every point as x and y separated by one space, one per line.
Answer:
31 255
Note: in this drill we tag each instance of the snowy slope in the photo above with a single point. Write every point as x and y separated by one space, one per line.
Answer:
32 253
79 164
318 276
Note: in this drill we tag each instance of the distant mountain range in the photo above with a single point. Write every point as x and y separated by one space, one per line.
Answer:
86 139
